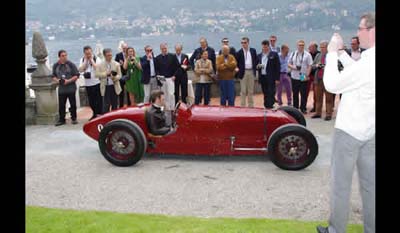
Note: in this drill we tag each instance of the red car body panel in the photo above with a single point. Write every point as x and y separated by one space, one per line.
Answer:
204 130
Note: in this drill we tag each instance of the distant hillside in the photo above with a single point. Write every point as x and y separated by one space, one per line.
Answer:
59 11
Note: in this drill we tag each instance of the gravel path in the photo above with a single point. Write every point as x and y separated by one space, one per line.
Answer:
65 169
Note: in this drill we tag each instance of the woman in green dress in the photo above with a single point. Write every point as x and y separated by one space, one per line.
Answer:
133 84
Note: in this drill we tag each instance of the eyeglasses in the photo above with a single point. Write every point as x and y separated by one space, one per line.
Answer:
243 42
149 50
272 40
360 28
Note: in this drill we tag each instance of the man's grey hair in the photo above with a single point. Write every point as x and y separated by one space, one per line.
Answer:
164 44
324 42
179 45
107 50
146 47
369 19
203 38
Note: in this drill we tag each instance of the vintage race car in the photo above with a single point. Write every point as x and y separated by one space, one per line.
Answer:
123 135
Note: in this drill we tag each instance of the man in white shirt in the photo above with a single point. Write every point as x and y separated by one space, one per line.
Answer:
87 65
355 50
246 59
300 64
354 138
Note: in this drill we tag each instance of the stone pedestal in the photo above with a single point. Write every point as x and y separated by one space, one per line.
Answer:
46 99
46 102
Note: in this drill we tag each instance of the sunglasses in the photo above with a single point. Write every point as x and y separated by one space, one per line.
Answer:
149 50
243 42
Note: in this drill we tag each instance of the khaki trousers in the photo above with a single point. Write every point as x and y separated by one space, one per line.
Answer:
247 88
320 90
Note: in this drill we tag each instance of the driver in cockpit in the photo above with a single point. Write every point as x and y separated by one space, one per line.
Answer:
156 120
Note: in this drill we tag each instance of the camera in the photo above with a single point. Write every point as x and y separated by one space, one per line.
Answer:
260 66
87 75
298 67
113 73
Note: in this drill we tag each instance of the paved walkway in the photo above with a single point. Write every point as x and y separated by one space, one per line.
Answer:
65 169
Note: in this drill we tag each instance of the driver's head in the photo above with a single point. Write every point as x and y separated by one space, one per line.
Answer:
157 97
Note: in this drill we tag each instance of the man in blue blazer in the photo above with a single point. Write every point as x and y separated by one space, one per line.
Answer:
269 67
148 73
247 61
197 52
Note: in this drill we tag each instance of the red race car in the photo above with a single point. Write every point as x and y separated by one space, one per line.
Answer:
123 134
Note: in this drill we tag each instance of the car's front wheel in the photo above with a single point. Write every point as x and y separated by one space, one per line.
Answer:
122 142
292 147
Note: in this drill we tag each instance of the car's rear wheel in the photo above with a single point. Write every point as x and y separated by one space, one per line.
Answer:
292 147
122 142
295 113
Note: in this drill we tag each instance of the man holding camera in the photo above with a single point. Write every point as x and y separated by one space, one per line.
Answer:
269 67
354 136
65 73
319 66
87 66
109 73
300 65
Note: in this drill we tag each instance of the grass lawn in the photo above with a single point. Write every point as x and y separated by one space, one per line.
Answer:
46 220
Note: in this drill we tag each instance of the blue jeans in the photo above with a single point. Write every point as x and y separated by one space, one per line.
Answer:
199 93
227 88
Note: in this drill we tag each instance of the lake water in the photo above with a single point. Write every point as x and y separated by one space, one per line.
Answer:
190 42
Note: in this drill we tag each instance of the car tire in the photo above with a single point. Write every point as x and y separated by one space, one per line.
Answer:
292 147
295 113
122 142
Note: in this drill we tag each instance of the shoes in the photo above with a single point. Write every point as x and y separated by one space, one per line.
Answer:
74 122
328 118
60 123
316 116
321 229
312 110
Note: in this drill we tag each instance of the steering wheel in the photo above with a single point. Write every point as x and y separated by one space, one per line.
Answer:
175 114
177 106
